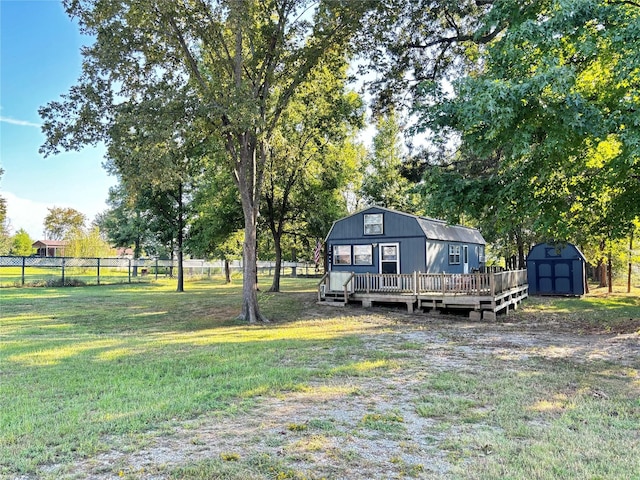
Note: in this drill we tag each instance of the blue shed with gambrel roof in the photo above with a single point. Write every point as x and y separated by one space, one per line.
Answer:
380 240
556 269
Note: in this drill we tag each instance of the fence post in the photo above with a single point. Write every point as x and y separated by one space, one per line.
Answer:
156 268
129 270
98 271
24 259
63 262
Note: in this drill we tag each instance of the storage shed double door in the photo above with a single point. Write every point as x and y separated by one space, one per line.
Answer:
556 269
554 277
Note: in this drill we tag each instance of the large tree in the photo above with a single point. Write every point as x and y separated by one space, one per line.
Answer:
21 244
5 238
125 222
60 221
410 42
217 217
547 121
385 185
239 61
306 158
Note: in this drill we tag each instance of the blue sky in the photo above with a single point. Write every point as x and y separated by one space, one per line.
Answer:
39 60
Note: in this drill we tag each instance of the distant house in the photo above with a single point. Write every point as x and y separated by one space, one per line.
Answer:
50 248
124 252
379 240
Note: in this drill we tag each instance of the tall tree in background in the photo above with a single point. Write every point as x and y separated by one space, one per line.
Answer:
239 61
409 43
21 244
384 184
84 243
124 222
305 157
217 217
5 240
547 120
59 222
168 212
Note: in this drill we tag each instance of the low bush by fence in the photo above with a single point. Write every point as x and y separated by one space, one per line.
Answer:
68 271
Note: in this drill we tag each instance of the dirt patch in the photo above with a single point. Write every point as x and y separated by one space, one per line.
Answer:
361 425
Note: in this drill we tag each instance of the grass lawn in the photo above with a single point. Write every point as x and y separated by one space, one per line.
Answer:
96 381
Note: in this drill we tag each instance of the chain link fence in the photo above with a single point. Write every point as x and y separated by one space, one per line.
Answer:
68 271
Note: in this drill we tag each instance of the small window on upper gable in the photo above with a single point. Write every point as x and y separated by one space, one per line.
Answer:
373 224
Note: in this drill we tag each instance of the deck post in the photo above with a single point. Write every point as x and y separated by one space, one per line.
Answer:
368 277
478 286
492 284
415 282
320 283
443 285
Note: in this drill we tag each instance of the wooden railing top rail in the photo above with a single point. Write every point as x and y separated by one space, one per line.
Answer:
446 283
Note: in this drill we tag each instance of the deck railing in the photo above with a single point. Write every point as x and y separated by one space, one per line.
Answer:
383 283
476 284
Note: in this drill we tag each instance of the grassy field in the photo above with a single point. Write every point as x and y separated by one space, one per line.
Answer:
93 378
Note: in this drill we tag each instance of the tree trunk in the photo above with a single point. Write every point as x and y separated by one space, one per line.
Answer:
180 287
630 262
248 175
250 308
244 148
521 259
610 272
275 285
136 255
602 267
227 271
603 274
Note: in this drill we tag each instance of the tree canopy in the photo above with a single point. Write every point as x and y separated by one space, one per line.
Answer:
239 62
547 123
529 108
61 221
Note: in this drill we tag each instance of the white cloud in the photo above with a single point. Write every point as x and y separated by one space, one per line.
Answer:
22 123
26 214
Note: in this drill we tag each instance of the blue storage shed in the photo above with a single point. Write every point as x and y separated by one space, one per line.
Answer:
556 269
380 240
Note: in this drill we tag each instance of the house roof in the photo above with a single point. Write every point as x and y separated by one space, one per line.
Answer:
440 230
49 243
564 250
433 229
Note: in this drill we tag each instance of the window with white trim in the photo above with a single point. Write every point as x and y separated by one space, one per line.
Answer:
342 255
373 224
454 254
363 255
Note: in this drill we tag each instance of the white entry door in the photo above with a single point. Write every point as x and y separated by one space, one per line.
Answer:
389 258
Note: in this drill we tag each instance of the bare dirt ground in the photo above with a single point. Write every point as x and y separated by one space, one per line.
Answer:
322 430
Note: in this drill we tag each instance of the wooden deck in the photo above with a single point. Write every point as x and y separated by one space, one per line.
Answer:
484 294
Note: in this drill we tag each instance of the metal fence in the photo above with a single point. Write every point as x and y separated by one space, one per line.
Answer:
59 271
